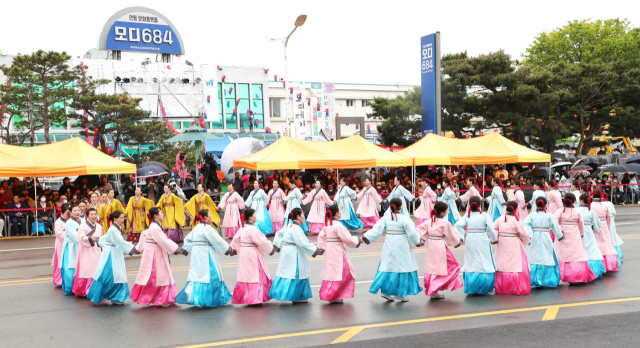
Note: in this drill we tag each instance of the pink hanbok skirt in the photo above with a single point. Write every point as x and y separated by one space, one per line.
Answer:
277 226
369 221
81 286
514 283
610 262
576 272
434 283
57 274
420 221
230 232
252 293
152 294
334 291
315 228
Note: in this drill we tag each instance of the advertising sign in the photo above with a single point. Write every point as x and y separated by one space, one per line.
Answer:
430 76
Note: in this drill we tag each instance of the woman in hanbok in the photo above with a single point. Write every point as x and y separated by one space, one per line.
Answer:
368 208
88 254
497 206
257 200
56 261
575 189
253 281
522 203
555 198
70 251
137 210
200 201
441 269
318 209
115 204
472 191
402 194
572 257
397 274
294 200
103 211
544 269
83 210
615 238
449 197
276 206
609 253
232 203
292 277
476 230
94 202
205 286
343 199
110 278
512 266
591 225
338 277
173 213
154 283
427 200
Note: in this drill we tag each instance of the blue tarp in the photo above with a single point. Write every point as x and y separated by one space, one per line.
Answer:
216 147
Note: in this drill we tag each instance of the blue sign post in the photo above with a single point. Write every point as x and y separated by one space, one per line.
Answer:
430 76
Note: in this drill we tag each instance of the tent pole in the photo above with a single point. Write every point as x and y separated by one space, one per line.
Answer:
35 199
415 187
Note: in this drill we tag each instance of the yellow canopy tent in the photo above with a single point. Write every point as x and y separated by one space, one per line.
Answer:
488 149
353 152
64 158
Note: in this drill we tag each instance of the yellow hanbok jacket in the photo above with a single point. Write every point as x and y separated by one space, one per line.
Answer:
103 213
116 205
198 203
137 213
173 211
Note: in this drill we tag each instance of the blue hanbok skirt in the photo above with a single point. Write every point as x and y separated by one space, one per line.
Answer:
285 289
105 288
496 212
545 276
212 294
479 283
597 267
265 225
619 251
353 223
396 283
67 273
450 217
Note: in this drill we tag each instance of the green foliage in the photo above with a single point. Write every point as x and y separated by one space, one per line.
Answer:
166 153
401 118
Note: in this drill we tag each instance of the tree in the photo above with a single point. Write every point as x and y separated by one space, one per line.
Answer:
166 153
595 68
151 132
41 84
402 121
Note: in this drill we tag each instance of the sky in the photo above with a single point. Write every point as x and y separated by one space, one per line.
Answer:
375 42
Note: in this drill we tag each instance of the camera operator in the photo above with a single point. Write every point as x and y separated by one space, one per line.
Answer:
210 174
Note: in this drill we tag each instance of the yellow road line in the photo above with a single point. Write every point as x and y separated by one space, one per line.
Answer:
551 313
351 331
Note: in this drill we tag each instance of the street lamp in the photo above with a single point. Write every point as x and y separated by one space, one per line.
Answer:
299 22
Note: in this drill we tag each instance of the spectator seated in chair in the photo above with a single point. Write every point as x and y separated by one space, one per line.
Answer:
44 216
18 217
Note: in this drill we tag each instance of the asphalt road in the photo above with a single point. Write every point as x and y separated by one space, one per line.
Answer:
34 313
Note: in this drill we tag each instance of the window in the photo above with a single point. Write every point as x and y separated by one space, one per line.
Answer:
231 121
275 108
257 106
219 124
349 102
365 103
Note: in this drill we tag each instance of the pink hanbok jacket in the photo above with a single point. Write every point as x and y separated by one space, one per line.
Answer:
231 203
471 192
570 248
251 245
370 199
155 245
522 205
318 208
511 235
555 201
427 200
276 205
604 237
434 234
60 234
88 255
335 239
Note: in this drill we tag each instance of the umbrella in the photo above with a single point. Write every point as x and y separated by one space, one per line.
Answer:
519 167
634 166
581 168
154 163
239 148
534 173
92 180
634 159
615 169
150 171
557 155
561 164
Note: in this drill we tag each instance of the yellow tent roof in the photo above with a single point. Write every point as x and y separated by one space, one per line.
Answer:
64 158
289 153
489 149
